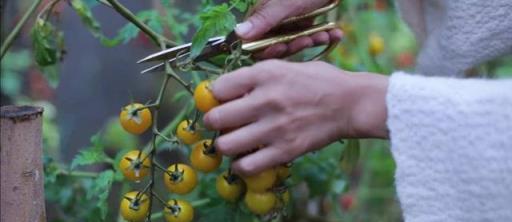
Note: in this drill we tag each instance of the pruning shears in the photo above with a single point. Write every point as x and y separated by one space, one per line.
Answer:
224 44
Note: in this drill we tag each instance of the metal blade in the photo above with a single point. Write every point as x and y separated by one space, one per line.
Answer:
173 52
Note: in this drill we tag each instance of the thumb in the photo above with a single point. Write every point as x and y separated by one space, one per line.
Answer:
266 17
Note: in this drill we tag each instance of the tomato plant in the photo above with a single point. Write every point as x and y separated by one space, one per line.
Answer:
173 174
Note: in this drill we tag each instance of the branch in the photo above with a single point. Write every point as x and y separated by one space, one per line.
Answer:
10 38
127 14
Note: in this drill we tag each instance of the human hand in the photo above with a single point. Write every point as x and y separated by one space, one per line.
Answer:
269 13
291 109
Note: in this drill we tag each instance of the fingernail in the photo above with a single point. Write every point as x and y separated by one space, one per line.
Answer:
243 29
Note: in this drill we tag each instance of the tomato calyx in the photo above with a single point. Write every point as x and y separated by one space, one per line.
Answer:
176 175
135 202
209 149
133 113
231 178
137 164
191 126
175 208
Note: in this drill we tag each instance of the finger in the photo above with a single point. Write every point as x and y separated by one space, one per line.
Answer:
235 113
335 35
300 44
274 51
320 38
260 160
235 84
242 139
264 19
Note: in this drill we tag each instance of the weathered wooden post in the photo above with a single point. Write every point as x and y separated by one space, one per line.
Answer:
21 167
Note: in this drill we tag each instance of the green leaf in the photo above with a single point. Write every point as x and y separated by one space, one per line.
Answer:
91 155
86 16
217 20
350 156
48 45
88 157
101 189
45 51
242 5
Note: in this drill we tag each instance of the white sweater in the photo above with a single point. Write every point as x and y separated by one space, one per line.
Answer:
451 137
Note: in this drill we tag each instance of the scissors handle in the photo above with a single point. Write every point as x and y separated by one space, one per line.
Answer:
312 14
264 43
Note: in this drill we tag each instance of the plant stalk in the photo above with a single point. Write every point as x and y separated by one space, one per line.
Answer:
127 14
10 38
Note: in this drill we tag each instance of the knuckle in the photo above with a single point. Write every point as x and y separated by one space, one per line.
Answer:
213 119
262 19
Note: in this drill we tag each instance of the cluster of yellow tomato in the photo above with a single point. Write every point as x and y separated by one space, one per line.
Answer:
262 193
135 165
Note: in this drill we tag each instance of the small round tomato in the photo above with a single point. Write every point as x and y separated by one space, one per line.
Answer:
262 181
133 120
178 211
204 157
135 165
204 98
375 44
283 172
134 206
283 197
180 178
185 134
260 203
229 186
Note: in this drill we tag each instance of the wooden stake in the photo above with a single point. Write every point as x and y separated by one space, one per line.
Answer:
21 167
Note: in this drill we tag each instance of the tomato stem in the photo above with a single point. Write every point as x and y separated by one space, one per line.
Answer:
128 15
10 38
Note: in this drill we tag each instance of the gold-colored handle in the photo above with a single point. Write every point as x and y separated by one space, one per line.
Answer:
264 43
312 14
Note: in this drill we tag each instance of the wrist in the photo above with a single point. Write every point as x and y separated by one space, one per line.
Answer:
369 111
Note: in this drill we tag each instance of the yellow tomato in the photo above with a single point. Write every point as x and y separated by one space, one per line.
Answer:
133 120
135 165
186 135
203 158
262 181
178 211
229 186
204 98
283 172
260 203
375 44
180 178
134 206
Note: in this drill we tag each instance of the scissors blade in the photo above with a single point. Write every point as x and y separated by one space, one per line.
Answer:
173 52
210 50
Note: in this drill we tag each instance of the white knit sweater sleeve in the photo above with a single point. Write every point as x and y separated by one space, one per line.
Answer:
452 143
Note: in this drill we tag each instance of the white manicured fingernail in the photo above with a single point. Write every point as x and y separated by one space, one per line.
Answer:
244 28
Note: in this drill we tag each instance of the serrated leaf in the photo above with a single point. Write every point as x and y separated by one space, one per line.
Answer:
48 44
350 156
45 51
91 155
217 20
88 157
101 189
